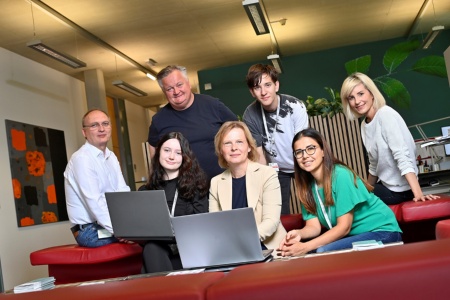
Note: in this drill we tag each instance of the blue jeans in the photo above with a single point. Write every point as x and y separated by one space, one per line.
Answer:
88 237
389 197
346 243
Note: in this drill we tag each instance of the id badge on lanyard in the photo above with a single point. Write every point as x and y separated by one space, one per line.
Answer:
322 207
271 137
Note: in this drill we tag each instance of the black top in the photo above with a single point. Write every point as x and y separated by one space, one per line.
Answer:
199 123
239 193
183 206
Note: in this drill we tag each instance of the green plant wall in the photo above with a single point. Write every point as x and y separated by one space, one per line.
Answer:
308 74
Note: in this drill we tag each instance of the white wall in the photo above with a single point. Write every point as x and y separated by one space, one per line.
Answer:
33 94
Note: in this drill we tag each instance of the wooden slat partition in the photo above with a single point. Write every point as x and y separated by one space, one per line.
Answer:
344 138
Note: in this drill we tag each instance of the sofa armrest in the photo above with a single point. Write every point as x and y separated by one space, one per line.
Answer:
292 221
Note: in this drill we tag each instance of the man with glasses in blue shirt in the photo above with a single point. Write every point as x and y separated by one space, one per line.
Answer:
92 171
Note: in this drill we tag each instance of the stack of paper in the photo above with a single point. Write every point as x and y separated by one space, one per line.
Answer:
35 285
366 245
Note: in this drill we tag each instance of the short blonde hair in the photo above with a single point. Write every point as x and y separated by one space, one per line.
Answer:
224 129
347 87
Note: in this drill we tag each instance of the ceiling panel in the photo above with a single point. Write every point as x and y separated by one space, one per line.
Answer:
201 34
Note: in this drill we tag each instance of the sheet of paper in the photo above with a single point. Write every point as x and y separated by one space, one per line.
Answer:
186 272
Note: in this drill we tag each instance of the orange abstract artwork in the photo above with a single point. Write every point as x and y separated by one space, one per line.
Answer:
38 158
27 221
51 194
49 217
18 140
17 188
35 163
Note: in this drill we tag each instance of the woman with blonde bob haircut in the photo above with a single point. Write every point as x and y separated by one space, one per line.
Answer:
347 87
246 183
389 144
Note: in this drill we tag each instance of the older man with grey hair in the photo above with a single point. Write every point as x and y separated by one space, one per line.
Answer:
198 117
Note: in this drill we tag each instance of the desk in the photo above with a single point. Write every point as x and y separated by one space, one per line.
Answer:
443 179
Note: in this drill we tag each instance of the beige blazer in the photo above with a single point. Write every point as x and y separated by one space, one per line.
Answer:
263 195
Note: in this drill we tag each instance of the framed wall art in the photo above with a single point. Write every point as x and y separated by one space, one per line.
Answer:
38 159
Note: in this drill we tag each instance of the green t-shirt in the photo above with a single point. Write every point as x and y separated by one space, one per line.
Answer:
369 212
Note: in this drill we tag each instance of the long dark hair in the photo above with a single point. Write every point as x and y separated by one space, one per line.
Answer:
304 179
192 179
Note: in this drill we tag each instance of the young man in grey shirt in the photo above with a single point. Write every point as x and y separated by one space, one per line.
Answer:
273 120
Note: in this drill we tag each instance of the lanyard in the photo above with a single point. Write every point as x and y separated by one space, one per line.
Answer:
270 139
322 207
174 203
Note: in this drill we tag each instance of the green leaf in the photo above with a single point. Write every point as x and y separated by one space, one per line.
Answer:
310 100
395 55
431 65
360 64
395 90
330 92
331 114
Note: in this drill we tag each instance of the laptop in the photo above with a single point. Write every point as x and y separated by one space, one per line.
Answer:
140 216
219 240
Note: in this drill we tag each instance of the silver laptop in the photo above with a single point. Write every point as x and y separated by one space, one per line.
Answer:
219 239
140 216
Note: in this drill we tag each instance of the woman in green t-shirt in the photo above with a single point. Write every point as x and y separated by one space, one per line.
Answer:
333 196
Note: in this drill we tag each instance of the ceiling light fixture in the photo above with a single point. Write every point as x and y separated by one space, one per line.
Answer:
151 76
431 36
151 62
255 13
91 37
276 62
129 88
434 31
62 57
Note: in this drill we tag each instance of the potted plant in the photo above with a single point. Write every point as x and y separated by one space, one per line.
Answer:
393 88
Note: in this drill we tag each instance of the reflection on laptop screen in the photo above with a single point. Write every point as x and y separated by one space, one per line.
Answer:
140 216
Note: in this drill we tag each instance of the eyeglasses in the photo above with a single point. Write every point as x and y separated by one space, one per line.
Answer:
96 126
238 144
310 150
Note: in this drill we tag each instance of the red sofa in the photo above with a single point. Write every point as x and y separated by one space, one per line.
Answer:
183 287
443 229
418 219
410 271
72 263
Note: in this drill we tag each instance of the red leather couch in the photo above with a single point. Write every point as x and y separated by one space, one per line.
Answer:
410 271
183 287
418 219
443 229
72 263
